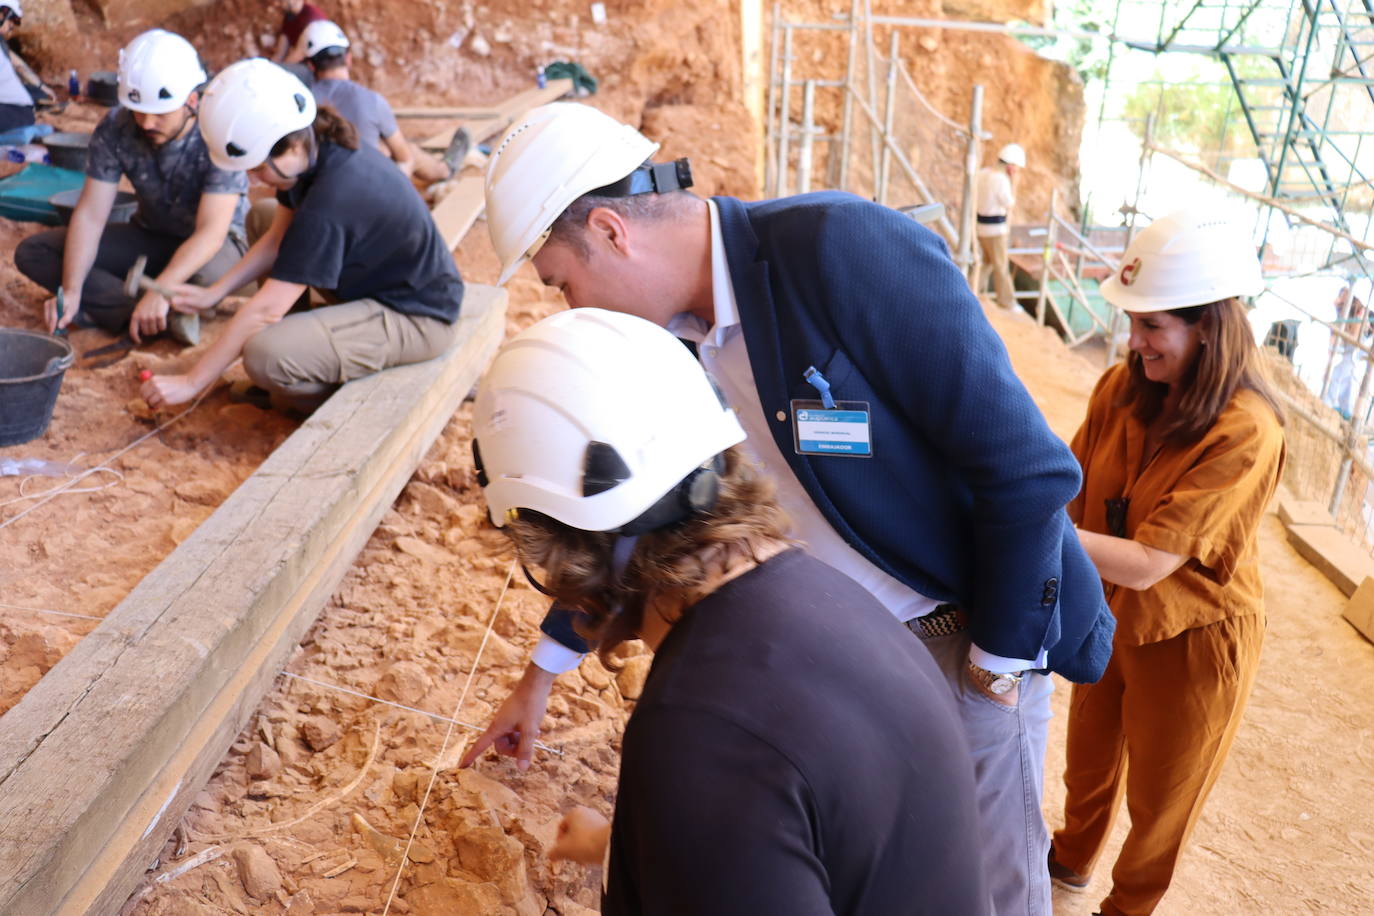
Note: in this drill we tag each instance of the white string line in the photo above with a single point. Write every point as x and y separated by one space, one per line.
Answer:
424 712
44 610
71 465
448 733
48 495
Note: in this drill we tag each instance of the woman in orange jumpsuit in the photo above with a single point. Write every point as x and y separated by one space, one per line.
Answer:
1181 451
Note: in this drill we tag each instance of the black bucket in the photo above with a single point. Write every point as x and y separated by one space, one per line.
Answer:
31 369
67 149
64 202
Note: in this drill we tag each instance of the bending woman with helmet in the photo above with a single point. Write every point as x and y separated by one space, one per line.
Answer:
189 222
347 223
1181 450
782 758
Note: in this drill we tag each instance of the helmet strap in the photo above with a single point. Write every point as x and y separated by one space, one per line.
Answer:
650 178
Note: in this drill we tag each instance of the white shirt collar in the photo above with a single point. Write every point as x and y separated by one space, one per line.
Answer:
689 326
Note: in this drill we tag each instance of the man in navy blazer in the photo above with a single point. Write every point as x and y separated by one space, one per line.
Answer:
876 393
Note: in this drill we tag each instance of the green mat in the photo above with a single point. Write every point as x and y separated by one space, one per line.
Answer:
24 196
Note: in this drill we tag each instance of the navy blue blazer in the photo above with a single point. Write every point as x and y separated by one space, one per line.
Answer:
963 499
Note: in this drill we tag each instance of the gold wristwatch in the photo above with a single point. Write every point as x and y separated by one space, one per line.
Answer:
994 682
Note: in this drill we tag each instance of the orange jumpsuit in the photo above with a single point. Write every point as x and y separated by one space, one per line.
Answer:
1186 649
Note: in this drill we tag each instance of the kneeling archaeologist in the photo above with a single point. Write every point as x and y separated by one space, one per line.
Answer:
189 222
347 223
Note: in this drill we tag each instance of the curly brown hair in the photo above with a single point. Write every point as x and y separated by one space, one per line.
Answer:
667 568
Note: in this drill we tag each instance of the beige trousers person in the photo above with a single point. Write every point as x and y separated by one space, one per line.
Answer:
994 248
302 359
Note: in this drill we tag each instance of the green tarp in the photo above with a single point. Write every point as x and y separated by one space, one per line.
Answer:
24 196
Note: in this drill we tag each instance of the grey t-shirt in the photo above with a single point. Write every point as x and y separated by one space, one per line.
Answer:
168 180
366 110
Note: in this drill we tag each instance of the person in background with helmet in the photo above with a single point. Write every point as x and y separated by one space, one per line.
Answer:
750 782
876 393
1181 450
347 223
996 197
16 102
189 221
326 49
295 16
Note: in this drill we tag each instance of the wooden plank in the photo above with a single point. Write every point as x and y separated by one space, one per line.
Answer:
1303 512
1360 610
1335 555
473 114
102 757
508 111
460 208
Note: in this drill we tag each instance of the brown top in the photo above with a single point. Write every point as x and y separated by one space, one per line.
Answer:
1203 501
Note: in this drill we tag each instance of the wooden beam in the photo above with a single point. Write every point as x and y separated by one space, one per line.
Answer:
101 759
459 209
1335 555
1360 610
512 108
474 114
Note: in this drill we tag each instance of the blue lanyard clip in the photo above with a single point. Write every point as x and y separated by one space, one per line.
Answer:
817 381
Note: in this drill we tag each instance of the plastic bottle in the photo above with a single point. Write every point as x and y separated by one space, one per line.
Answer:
73 85
539 79
29 152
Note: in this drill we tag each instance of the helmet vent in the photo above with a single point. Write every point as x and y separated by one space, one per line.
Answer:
602 469
163 93
234 150
134 96
300 102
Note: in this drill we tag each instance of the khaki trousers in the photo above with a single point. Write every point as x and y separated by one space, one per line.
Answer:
995 261
1171 709
306 356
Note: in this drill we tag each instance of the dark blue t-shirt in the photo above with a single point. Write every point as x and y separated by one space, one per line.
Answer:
361 231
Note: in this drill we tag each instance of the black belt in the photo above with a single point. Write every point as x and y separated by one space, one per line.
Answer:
944 620
991 220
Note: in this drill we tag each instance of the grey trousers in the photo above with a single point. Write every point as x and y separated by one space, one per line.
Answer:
1008 746
302 359
103 302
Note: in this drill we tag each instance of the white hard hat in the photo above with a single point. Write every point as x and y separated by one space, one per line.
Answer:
247 108
1012 154
600 420
1187 258
548 159
321 35
14 6
158 71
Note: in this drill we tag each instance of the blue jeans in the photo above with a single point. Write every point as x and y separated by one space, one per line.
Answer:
1008 748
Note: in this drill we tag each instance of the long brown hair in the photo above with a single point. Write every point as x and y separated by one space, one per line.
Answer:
329 127
1227 362
667 568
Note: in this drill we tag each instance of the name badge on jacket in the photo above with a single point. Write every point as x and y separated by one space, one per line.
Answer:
839 430
828 426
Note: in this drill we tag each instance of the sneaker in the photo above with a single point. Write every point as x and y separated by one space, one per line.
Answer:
185 329
457 150
1065 878
245 392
